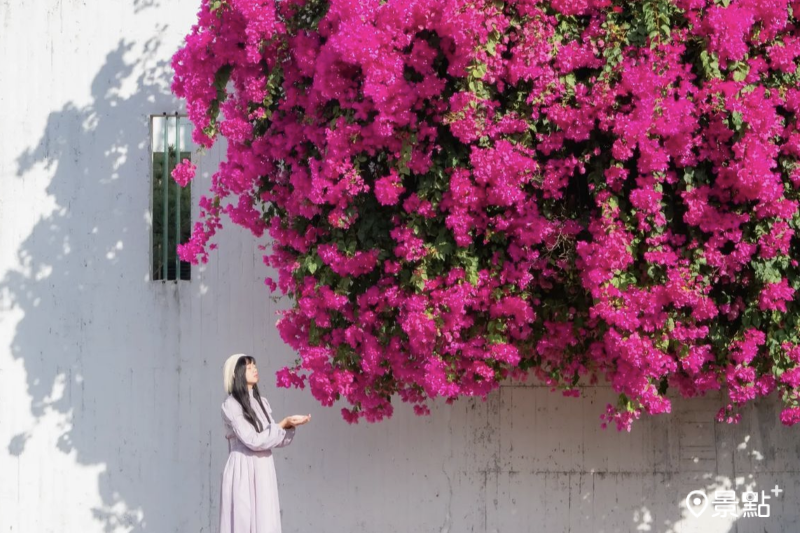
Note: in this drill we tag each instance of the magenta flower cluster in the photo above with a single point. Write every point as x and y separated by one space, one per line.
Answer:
462 192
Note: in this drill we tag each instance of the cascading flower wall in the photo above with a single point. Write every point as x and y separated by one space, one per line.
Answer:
462 192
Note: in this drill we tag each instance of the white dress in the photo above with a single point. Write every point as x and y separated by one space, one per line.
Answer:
249 495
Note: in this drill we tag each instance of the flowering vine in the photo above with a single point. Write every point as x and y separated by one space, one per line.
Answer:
461 192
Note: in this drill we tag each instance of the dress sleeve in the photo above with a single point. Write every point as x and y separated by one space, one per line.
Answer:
287 440
270 437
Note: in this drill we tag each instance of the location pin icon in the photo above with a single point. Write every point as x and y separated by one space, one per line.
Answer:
696 502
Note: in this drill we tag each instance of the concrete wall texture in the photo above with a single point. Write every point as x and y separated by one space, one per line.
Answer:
110 384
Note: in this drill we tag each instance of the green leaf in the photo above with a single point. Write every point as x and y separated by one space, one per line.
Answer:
740 74
766 271
344 285
736 120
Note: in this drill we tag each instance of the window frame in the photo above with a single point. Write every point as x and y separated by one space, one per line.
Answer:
183 270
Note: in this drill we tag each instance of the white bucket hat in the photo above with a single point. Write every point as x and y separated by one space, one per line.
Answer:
227 371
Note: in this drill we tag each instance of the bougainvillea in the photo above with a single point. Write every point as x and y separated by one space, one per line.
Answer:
454 193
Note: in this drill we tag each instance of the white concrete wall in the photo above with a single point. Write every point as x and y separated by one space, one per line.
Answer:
110 384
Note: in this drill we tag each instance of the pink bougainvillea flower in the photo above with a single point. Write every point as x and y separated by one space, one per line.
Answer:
458 193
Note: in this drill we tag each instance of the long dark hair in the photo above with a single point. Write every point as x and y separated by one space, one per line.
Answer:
242 395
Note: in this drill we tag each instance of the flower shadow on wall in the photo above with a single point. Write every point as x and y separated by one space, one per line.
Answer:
140 5
83 269
555 468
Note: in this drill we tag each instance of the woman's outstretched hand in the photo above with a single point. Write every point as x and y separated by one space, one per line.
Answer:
294 421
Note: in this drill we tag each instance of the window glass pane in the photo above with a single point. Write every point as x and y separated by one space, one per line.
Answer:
173 201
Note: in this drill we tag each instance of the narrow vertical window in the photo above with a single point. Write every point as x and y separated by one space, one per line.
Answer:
172 204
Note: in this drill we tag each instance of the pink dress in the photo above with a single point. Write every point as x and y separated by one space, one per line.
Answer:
249 496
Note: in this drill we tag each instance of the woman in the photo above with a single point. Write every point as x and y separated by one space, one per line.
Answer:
249 501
